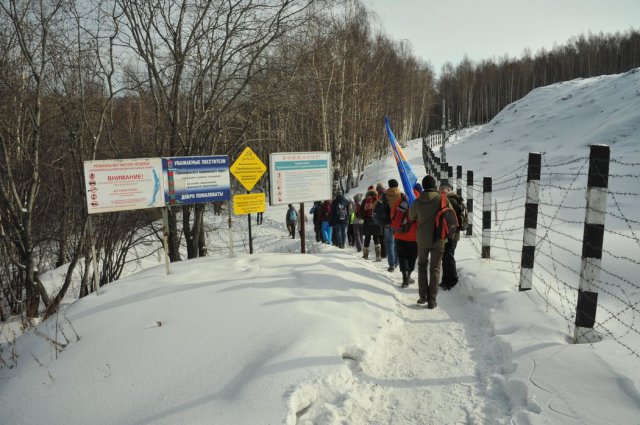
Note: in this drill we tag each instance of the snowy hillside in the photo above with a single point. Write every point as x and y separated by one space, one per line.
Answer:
330 338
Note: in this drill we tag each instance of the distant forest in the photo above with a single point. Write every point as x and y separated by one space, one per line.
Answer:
132 79
475 93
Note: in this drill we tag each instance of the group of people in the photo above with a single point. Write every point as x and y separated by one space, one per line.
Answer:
401 233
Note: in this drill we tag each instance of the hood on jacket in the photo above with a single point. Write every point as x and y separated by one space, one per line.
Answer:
341 199
393 195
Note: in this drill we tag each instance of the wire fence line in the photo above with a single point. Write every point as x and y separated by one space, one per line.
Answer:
560 265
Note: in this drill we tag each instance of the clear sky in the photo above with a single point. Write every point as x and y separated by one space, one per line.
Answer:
445 30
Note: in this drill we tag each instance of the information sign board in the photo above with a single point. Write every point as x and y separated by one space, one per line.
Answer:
248 168
196 179
249 203
123 184
300 177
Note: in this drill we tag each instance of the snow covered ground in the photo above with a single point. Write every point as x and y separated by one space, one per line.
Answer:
329 338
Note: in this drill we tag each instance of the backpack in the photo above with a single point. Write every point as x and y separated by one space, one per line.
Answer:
446 221
341 211
293 215
369 205
400 221
457 202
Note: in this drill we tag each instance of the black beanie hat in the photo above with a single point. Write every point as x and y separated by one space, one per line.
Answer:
393 183
428 182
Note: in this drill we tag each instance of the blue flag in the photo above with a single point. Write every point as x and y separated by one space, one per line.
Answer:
407 176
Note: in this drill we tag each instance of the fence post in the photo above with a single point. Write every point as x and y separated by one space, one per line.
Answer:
470 202
444 168
486 217
530 221
597 184
459 180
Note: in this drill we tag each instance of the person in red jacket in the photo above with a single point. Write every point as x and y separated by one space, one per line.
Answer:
405 237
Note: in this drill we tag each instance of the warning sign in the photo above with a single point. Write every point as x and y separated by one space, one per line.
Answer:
249 203
123 184
248 168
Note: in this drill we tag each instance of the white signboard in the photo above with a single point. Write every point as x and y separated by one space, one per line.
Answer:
299 177
123 184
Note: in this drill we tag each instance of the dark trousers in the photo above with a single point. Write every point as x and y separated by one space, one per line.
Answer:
318 229
449 271
291 227
407 254
377 240
429 269
350 234
340 231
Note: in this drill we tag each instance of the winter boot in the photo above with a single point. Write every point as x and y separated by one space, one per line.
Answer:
405 279
378 253
365 253
409 279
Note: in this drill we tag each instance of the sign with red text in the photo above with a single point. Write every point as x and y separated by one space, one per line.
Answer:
300 177
123 184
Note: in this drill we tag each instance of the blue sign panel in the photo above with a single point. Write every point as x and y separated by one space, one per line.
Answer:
196 179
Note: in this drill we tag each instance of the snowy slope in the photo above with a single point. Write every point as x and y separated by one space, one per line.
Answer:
328 338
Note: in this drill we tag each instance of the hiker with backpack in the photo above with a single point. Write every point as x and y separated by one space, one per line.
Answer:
449 271
382 196
405 237
340 219
372 212
317 222
425 209
292 220
390 197
325 219
357 222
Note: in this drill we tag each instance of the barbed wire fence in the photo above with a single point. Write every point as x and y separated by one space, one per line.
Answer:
575 279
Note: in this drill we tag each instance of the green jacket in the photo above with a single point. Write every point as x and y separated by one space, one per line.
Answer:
425 209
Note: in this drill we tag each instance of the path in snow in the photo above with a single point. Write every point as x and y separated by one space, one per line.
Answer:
424 366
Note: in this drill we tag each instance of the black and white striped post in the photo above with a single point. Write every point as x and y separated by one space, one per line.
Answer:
469 202
530 221
597 184
444 168
486 217
459 180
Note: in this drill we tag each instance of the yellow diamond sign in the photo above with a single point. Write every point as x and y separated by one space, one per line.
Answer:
248 168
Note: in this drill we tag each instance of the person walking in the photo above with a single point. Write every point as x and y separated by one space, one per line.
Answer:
372 212
449 270
405 238
357 222
389 198
352 212
340 219
259 215
430 250
317 222
382 197
292 220
325 219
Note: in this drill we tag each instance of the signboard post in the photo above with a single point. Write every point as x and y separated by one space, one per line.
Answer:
120 185
300 177
248 169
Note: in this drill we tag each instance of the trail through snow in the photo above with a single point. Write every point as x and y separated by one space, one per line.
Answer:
423 366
